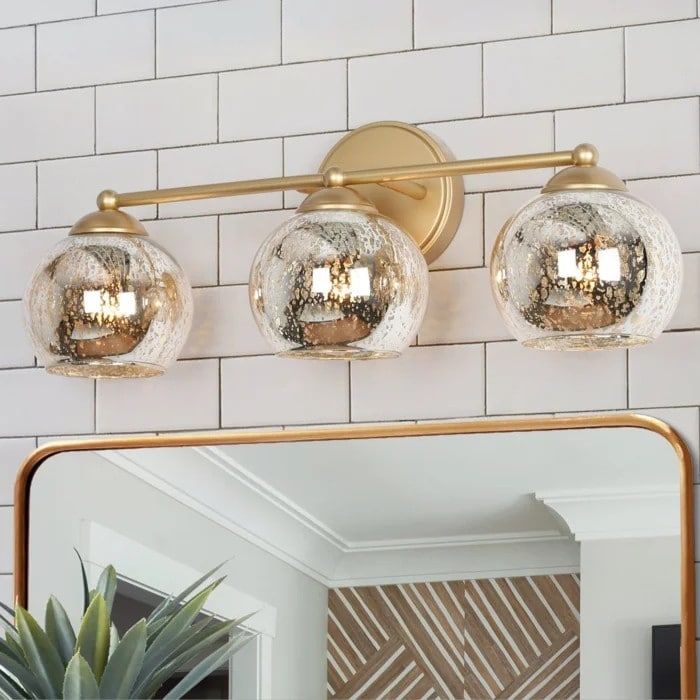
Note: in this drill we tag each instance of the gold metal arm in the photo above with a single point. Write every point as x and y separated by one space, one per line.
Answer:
390 168
398 178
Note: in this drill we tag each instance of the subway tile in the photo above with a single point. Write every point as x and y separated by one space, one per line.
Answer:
15 350
581 69
467 247
45 403
110 6
95 50
303 155
218 36
16 60
461 309
522 380
663 60
447 22
452 377
156 113
186 397
572 15
677 199
13 452
283 100
7 528
622 134
498 208
422 86
221 163
18 200
32 11
223 325
63 206
192 242
46 125
20 254
314 29
688 312
275 391
665 373
499 136
240 237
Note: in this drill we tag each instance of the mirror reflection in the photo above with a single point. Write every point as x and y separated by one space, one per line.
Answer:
543 564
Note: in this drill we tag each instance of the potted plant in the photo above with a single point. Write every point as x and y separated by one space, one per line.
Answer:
94 662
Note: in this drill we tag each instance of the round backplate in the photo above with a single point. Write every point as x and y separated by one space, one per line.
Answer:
432 221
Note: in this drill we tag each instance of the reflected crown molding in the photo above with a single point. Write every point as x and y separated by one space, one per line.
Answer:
225 492
595 514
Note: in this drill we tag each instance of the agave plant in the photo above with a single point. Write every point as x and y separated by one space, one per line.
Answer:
57 662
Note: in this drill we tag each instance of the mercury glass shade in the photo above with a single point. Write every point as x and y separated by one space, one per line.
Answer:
108 305
339 284
586 269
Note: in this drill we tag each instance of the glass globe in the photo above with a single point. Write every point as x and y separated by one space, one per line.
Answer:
339 284
586 269
108 305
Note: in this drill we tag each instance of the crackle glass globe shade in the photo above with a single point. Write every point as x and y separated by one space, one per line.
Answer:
108 305
585 270
339 284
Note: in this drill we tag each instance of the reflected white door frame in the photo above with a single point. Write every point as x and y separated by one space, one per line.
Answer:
251 668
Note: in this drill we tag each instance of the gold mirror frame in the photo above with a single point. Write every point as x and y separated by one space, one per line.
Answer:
348 432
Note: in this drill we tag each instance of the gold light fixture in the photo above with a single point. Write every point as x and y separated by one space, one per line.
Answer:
583 266
586 266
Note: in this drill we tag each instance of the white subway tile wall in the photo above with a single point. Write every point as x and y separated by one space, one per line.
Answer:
17 60
280 81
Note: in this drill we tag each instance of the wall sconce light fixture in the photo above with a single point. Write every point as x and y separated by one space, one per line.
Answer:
583 266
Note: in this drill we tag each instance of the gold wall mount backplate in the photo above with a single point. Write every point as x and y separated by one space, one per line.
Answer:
432 221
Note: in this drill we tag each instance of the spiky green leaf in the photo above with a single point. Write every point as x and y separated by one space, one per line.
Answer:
93 635
9 690
125 663
113 639
206 666
7 609
21 674
191 649
171 604
169 637
79 682
42 657
59 629
107 586
86 588
13 643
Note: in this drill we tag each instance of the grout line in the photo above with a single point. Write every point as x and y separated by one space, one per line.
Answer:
155 44
281 32
218 107
350 392
627 377
413 24
36 55
551 16
483 86
624 64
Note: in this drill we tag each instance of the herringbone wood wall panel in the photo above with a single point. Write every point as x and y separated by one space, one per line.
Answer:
490 638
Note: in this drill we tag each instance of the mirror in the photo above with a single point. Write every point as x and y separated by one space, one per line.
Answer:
488 559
